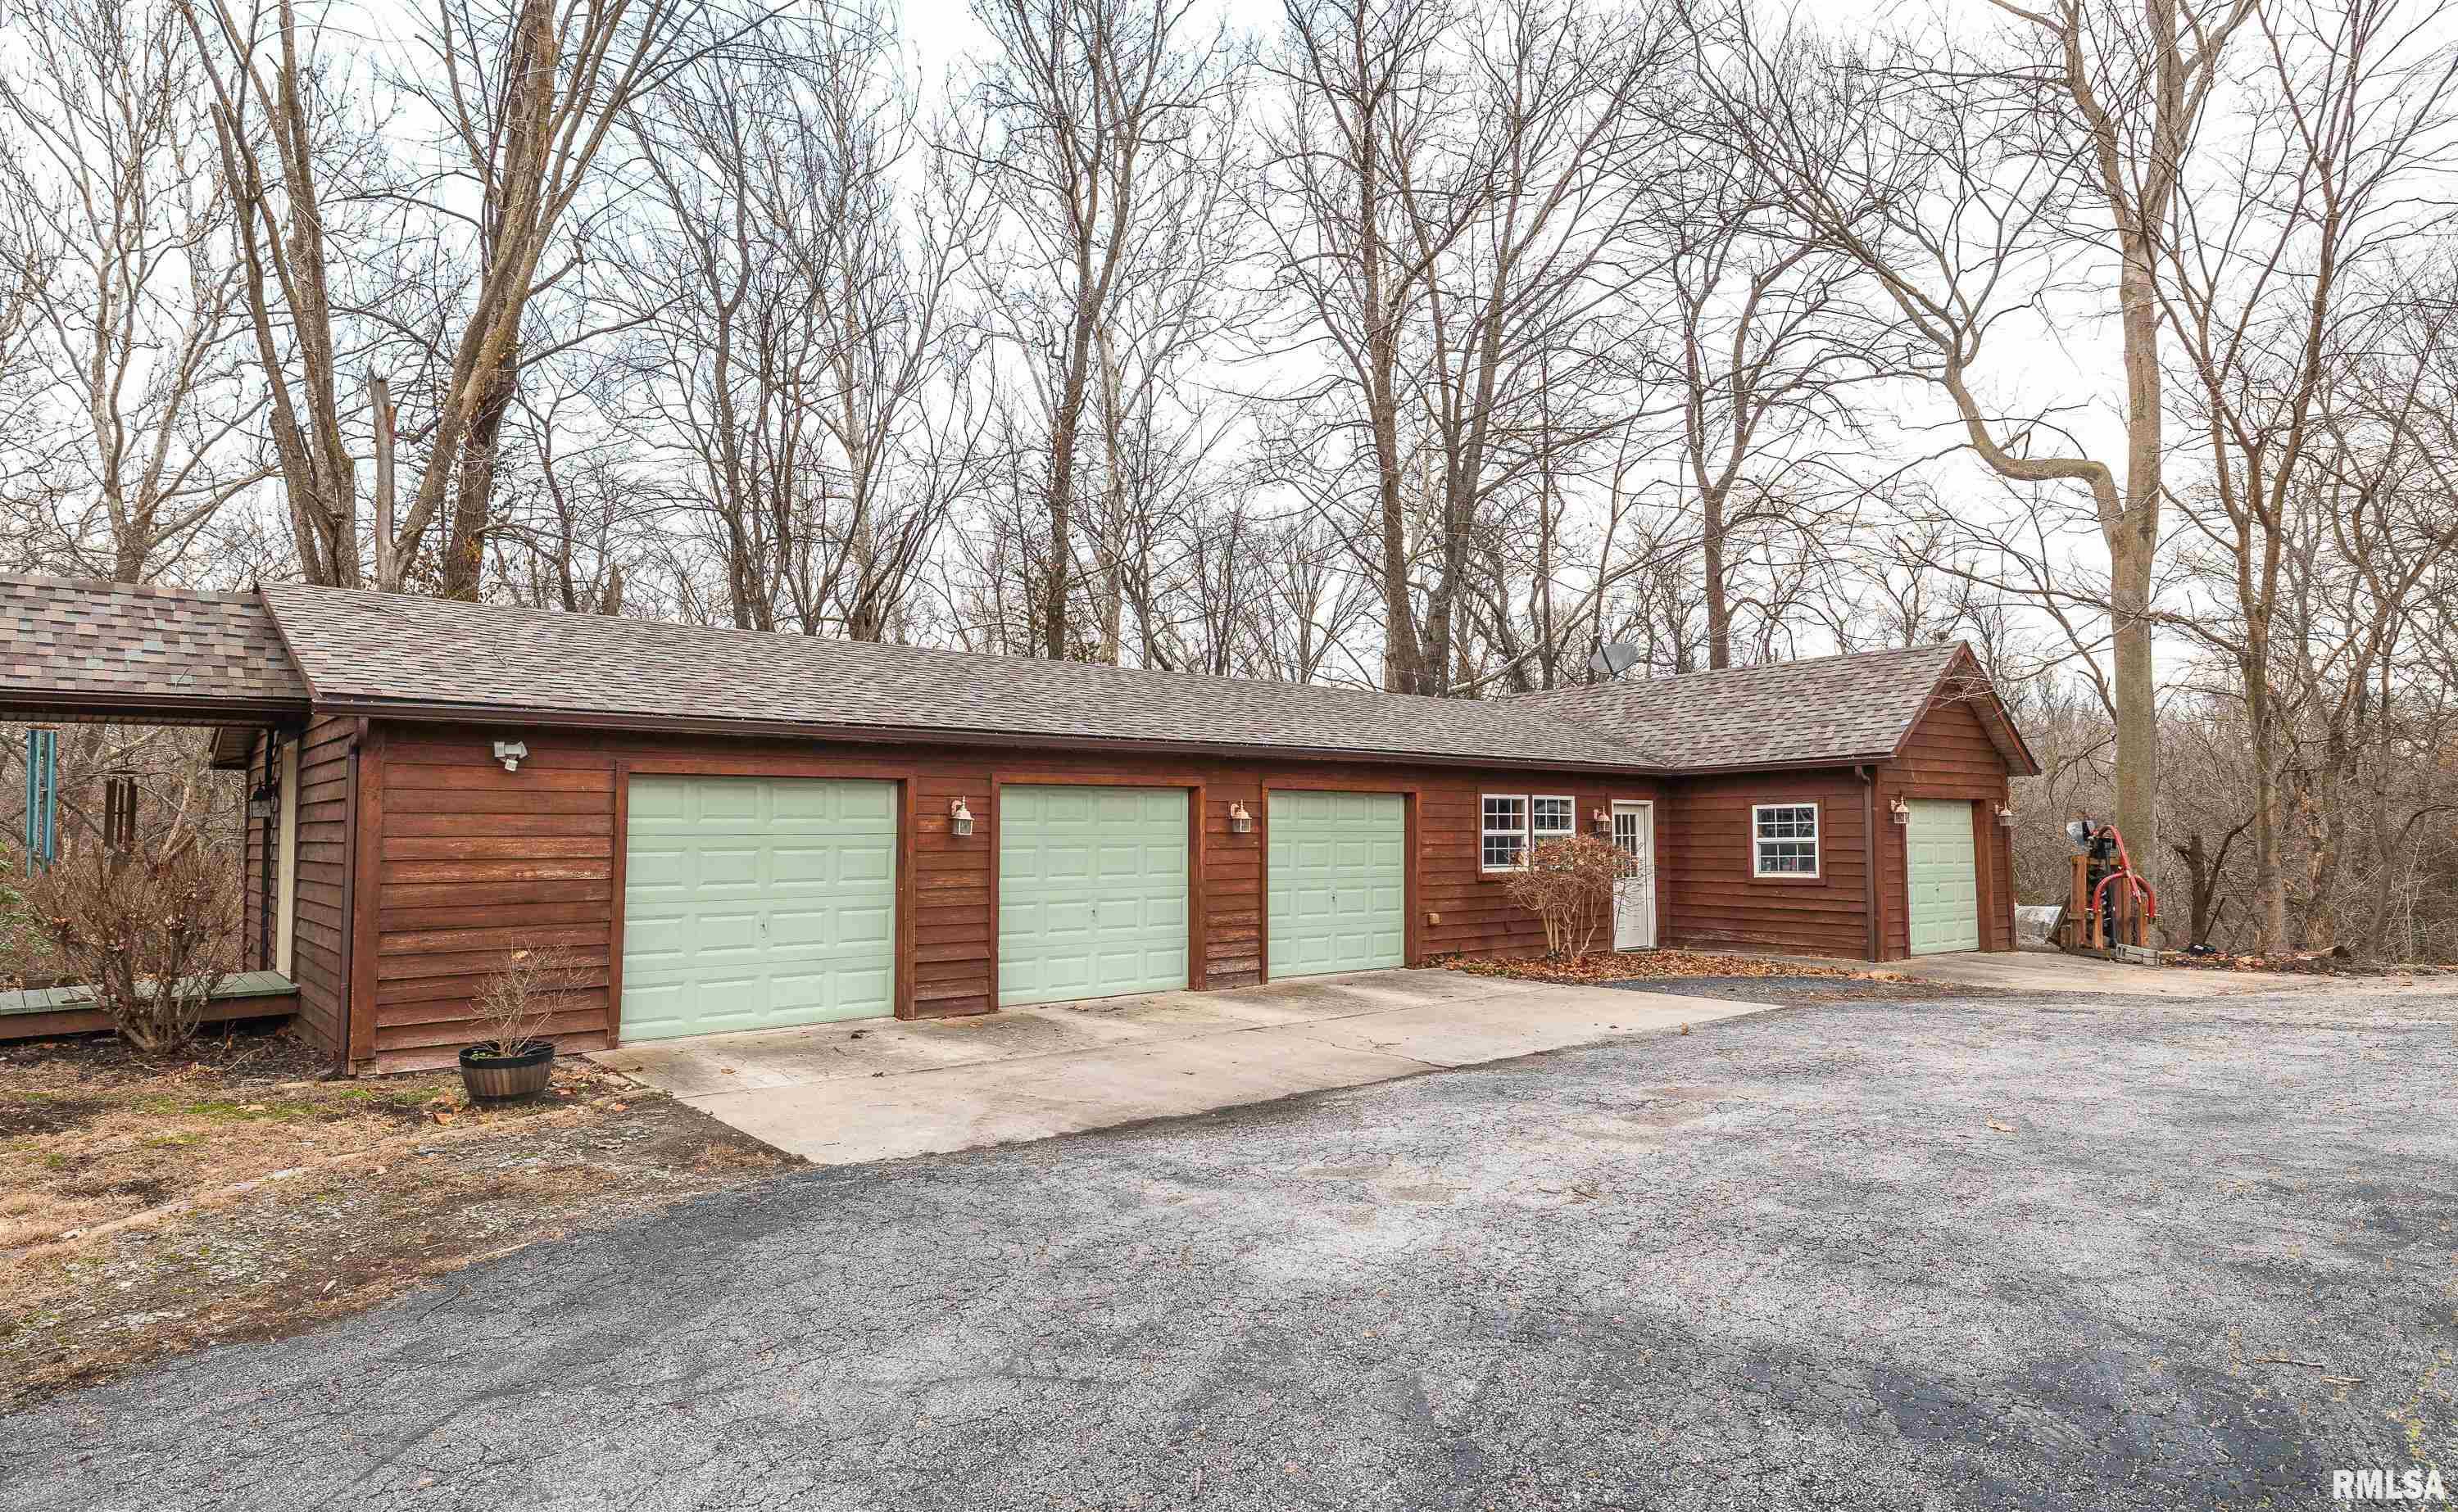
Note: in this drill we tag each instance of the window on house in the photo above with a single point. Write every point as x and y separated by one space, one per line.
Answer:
1506 833
1550 818
1783 839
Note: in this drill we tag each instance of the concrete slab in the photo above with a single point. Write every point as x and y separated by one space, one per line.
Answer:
882 1088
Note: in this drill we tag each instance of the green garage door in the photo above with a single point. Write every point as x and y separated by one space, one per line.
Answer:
754 902
1945 878
1092 892
1338 869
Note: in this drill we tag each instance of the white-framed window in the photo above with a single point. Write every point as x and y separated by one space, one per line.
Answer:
1505 847
1551 818
1783 839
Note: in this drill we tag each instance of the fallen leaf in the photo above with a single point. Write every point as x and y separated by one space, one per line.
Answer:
2003 1129
1625 965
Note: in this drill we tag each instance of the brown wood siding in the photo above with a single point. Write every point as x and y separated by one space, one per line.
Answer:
469 861
1706 895
1950 757
315 953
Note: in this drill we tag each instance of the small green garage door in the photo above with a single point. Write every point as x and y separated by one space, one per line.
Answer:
1945 878
1339 882
1092 892
749 903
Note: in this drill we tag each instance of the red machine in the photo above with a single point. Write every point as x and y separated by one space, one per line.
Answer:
2112 906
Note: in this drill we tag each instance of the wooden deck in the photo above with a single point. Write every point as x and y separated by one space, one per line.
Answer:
38 1012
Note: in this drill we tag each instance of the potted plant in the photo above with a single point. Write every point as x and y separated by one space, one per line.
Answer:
516 1059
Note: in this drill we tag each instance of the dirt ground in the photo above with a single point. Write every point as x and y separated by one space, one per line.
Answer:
1603 967
149 1207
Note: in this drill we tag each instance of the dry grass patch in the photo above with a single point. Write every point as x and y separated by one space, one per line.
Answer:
149 1206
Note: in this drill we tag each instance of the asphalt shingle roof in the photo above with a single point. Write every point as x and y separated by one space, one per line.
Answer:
70 646
365 648
66 643
1825 709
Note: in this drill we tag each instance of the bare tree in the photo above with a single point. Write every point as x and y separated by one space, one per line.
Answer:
1091 118
800 351
1455 227
135 405
2271 275
530 94
1970 186
1768 351
274 134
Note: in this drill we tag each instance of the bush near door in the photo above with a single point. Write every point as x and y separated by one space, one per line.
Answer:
1568 884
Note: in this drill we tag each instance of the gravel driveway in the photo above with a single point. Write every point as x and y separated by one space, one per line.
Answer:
2001 1253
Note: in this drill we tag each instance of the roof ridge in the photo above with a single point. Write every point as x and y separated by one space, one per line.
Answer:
1703 673
371 652
109 585
385 602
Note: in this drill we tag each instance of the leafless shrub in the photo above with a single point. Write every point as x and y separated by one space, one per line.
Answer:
1568 884
523 996
150 934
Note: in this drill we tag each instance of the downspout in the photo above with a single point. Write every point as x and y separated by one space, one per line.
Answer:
1868 776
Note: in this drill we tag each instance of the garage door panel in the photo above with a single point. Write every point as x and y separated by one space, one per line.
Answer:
713 935
1093 892
649 805
865 926
1339 889
757 902
792 929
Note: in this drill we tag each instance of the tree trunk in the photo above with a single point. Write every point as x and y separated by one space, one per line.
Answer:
1719 603
2132 538
1059 568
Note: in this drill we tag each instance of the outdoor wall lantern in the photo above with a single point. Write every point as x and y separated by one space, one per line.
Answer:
1900 810
960 819
1602 818
2006 815
1240 822
511 752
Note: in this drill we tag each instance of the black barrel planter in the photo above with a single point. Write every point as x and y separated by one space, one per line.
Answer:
493 1077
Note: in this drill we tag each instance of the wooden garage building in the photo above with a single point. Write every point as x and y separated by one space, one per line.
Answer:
740 830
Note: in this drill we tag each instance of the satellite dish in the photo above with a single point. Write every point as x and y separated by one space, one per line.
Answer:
1610 661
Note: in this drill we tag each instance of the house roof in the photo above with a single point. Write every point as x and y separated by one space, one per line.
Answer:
387 653
1857 706
72 648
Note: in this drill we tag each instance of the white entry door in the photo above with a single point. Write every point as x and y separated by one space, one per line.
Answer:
1633 834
